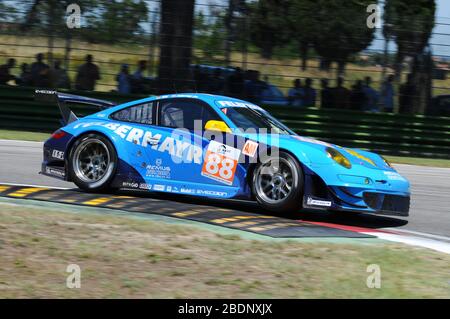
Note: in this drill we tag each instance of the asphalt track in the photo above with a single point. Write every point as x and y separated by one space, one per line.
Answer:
429 214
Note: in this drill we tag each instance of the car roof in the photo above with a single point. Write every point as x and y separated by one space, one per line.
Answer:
210 99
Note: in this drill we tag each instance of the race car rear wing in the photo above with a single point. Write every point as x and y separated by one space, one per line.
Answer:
61 99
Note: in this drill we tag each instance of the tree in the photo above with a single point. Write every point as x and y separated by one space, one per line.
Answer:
116 20
7 13
177 18
411 24
343 30
235 7
47 16
268 26
303 26
209 30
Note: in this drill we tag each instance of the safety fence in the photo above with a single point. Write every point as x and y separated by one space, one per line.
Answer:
391 134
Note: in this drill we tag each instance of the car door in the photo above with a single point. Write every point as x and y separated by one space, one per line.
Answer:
197 164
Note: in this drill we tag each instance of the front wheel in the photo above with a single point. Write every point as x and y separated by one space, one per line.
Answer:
92 163
278 184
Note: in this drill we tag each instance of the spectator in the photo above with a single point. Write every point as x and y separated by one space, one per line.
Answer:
88 74
341 95
254 87
217 83
40 72
123 80
24 78
60 78
235 85
326 97
357 97
309 98
388 93
406 96
201 79
371 96
138 79
296 94
5 75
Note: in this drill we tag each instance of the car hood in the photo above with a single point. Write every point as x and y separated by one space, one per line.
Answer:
314 151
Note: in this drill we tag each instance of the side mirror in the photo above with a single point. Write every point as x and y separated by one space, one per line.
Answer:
220 126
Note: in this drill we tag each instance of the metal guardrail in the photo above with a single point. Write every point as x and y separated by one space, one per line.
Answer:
390 134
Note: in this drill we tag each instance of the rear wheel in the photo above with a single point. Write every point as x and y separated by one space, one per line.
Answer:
93 163
278 184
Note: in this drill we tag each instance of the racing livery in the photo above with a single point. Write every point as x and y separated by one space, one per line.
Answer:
217 147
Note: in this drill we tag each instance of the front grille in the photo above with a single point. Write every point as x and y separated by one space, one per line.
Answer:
372 200
395 203
387 203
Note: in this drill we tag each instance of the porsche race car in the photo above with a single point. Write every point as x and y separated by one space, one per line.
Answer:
216 147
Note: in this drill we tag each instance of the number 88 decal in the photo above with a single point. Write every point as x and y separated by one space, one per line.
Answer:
220 162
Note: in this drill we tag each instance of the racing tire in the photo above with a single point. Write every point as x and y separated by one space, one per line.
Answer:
92 163
277 184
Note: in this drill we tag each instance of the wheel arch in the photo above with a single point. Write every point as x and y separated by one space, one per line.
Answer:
76 138
252 167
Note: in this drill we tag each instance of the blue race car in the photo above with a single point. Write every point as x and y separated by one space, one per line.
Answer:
216 147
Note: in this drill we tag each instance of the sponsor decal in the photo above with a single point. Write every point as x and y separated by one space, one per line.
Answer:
58 154
190 96
136 185
238 104
394 176
315 202
185 190
55 172
250 148
211 193
220 162
146 138
160 188
145 186
311 140
130 185
50 92
157 170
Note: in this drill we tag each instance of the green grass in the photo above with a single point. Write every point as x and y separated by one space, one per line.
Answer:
419 161
127 257
23 135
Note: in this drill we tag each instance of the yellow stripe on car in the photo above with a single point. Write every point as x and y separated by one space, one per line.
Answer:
362 157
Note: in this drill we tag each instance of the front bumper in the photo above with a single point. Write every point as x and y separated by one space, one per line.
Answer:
352 199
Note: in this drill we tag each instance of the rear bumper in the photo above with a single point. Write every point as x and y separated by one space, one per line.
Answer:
55 157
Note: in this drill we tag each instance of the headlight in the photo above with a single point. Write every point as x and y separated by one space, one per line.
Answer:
386 162
338 157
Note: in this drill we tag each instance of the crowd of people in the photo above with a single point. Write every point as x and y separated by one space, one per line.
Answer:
362 96
40 74
234 82
215 80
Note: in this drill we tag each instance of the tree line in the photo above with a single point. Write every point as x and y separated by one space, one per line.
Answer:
333 30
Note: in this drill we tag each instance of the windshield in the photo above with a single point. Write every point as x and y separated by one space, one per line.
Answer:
251 118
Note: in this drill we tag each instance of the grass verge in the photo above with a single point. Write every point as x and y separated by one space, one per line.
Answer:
121 256
434 162
23 135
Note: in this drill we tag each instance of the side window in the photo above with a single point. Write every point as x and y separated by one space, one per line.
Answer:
179 113
142 113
